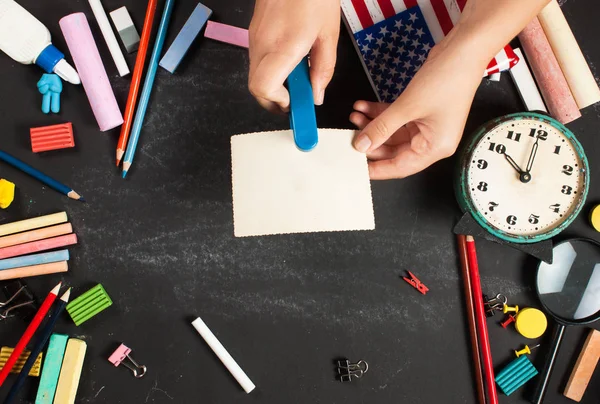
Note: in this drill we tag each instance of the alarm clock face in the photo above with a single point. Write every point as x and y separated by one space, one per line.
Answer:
526 177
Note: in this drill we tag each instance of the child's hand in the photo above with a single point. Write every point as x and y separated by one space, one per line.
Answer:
425 123
281 34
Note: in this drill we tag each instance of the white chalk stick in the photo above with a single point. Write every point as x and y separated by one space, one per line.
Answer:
525 83
223 355
109 37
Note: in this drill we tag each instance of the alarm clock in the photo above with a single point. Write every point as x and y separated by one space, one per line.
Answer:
523 177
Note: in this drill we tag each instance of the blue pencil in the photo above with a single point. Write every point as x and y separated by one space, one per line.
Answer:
147 89
51 182
34 259
39 346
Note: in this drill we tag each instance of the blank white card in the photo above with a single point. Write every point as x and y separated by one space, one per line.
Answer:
279 189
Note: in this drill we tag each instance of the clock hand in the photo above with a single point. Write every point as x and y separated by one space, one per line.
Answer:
524 176
532 156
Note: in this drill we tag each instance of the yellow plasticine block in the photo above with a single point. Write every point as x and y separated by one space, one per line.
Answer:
7 193
70 372
35 369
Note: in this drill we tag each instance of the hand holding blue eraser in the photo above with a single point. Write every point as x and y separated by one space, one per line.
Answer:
303 119
50 86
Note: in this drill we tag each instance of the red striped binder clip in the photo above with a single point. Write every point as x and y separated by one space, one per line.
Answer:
416 283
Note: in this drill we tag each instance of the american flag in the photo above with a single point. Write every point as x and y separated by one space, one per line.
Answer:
405 31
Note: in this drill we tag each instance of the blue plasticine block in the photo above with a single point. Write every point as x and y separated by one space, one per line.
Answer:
51 369
515 375
185 38
34 259
303 119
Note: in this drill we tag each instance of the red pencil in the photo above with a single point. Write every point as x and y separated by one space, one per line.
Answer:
31 329
484 339
136 79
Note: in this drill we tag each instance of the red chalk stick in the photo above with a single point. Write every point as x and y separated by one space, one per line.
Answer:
37 246
52 137
548 74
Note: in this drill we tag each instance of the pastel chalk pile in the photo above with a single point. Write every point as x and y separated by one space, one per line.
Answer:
26 246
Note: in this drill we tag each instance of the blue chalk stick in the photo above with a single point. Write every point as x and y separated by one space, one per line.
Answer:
303 119
34 259
184 39
51 369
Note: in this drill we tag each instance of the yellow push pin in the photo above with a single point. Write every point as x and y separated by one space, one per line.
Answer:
595 217
531 323
7 193
526 350
509 309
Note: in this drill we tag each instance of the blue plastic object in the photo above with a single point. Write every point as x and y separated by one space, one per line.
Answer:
303 119
49 57
185 38
515 375
50 86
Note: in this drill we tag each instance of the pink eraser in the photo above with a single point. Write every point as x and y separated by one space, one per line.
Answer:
89 65
119 355
227 33
37 246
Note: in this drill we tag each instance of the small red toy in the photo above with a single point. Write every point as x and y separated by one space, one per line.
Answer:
416 283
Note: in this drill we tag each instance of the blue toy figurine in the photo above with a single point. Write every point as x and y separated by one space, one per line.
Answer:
50 86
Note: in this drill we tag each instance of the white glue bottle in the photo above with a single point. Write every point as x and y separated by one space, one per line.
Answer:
25 39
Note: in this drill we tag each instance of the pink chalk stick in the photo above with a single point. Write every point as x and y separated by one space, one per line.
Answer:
37 246
89 65
227 33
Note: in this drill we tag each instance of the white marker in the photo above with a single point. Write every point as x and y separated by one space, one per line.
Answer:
222 353
25 39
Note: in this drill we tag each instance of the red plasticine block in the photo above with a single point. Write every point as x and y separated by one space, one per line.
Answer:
52 137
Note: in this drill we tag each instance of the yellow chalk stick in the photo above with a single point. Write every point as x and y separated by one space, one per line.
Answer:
7 193
70 372
5 354
531 323
34 223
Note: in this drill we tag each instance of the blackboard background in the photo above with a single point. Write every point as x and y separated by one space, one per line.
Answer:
161 242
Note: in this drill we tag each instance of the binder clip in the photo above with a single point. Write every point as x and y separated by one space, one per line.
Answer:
416 283
494 304
118 357
19 301
303 120
346 370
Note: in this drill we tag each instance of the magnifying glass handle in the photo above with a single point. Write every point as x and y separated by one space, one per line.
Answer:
544 378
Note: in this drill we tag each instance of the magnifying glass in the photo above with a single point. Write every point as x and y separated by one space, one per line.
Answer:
569 290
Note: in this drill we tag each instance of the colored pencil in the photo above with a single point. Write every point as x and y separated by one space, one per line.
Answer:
39 346
464 262
31 328
482 330
147 89
136 79
38 175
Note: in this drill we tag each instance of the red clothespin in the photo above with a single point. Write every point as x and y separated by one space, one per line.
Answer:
416 283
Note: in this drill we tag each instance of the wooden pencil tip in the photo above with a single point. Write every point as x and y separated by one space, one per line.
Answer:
119 156
66 295
76 196
56 289
470 238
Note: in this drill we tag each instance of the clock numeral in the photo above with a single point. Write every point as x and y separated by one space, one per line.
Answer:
493 205
556 149
512 220
555 208
483 186
541 134
567 170
566 190
517 136
482 164
500 148
533 219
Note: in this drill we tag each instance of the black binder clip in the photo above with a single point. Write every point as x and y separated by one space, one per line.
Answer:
346 370
20 301
493 305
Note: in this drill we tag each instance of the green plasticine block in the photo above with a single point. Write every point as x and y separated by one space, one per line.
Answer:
51 369
88 305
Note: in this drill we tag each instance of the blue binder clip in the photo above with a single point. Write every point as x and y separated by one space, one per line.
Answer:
303 120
